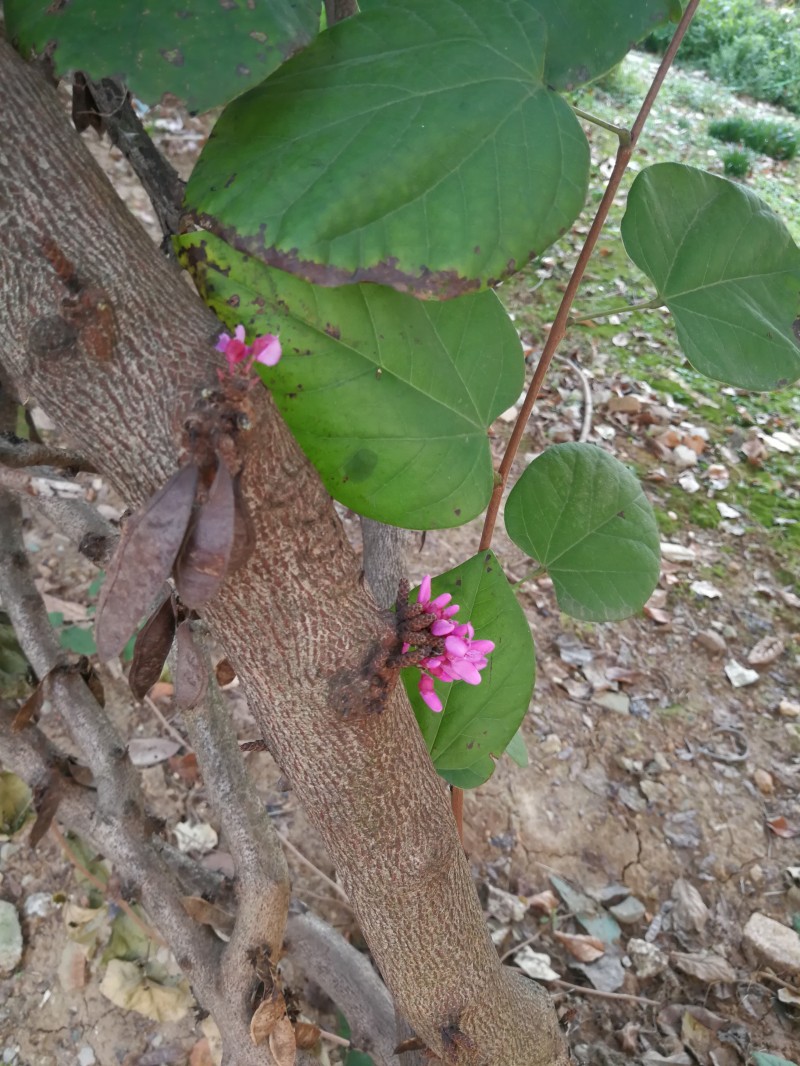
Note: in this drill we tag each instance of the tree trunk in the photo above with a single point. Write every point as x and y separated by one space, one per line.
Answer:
101 331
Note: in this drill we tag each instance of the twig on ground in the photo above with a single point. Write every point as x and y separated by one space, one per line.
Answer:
170 728
586 426
586 991
522 944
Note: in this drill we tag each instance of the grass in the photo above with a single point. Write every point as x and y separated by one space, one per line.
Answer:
677 130
737 163
774 139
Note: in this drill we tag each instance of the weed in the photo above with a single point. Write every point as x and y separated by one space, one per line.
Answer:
768 138
737 163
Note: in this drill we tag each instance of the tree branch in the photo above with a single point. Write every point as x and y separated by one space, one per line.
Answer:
16 452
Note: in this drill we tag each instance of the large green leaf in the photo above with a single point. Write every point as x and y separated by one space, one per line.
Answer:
204 51
583 516
415 145
586 40
478 722
390 398
726 267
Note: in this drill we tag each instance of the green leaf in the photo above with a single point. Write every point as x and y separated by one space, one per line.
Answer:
477 722
726 267
517 749
204 51
79 639
763 1058
583 516
389 397
416 145
585 40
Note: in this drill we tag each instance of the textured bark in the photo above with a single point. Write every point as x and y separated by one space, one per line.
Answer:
296 622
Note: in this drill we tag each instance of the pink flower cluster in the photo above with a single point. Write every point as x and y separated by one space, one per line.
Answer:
463 657
265 349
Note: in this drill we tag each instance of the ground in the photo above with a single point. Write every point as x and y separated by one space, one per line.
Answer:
652 776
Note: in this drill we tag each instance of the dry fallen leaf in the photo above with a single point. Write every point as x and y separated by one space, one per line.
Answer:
546 901
306 1035
781 828
705 967
584 948
200 1055
127 986
200 910
690 912
282 1044
149 751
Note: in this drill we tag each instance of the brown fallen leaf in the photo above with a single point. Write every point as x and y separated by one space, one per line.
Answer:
72 968
766 651
225 673
282 1045
781 828
147 549
205 913
200 1055
306 1035
127 986
46 800
31 708
546 902
185 766
582 947
705 967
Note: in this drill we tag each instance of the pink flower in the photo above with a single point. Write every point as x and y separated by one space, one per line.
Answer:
265 349
463 657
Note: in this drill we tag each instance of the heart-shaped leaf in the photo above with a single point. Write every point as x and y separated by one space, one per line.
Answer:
416 145
389 397
726 267
478 722
583 516
204 51
586 40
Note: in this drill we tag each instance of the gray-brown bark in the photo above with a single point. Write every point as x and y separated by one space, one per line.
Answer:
296 621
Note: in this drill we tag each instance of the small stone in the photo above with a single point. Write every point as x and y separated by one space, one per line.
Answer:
654 790
505 907
618 702
676 553
775 943
757 874
10 938
684 457
38 905
789 709
551 745
706 590
86 1056
712 642
628 912
647 959
611 894
762 779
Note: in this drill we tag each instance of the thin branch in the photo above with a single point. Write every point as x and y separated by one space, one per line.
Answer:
16 452
559 326
179 738
111 102
262 877
620 131
652 304
346 976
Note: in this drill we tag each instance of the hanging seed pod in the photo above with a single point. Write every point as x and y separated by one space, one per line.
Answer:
202 563
149 544
191 678
152 648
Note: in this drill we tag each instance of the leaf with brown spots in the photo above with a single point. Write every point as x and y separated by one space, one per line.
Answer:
202 563
152 648
147 550
191 678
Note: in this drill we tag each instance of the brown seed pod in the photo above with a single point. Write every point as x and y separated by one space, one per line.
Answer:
202 563
191 678
147 549
152 648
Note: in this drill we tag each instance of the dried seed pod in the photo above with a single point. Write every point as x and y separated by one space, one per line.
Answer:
191 678
202 563
149 544
152 648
